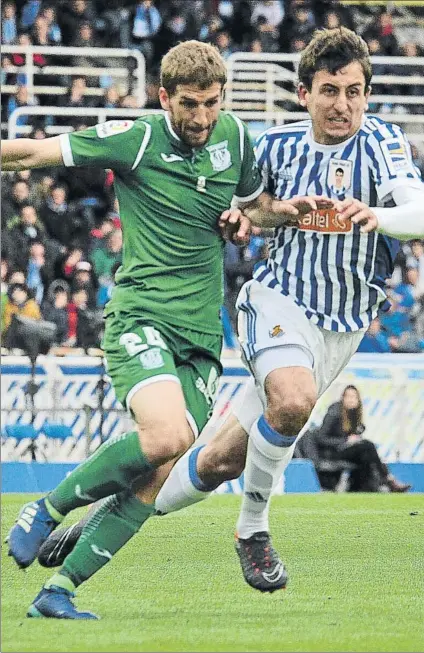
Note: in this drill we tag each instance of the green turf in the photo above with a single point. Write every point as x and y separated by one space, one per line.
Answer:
356 583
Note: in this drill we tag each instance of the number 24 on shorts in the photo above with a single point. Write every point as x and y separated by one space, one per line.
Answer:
134 345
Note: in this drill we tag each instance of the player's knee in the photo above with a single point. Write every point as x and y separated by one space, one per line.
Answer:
166 443
289 414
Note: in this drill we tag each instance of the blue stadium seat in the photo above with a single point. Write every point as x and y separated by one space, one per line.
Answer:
57 431
21 431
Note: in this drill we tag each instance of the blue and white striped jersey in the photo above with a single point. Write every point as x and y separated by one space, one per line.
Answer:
335 273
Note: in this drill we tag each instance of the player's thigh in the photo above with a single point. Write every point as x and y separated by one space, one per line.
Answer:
268 320
279 344
140 363
199 378
338 350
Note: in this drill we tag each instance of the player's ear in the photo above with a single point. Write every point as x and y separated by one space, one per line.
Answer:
367 95
164 98
301 94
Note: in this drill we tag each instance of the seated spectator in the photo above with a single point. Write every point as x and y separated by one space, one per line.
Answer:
299 22
332 20
99 235
105 258
75 98
65 266
375 340
88 323
19 302
340 438
60 220
271 10
146 22
111 98
55 309
223 43
9 29
39 271
25 230
267 34
83 278
72 15
53 29
13 202
29 13
241 28
19 100
383 31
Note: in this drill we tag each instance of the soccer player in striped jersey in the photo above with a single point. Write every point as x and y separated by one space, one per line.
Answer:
304 314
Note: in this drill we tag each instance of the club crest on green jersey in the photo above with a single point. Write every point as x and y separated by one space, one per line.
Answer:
220 156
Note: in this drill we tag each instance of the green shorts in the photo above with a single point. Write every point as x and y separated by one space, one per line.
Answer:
138 349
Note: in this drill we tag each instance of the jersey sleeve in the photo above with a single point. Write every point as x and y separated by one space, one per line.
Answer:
115 144
250 183
390 160
262 157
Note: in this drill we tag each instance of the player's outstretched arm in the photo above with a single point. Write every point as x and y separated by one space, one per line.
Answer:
267 212
403 221
27 153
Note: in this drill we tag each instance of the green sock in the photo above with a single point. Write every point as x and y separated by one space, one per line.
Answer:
110 527
111 469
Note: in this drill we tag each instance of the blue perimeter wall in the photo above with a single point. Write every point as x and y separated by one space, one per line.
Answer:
300 476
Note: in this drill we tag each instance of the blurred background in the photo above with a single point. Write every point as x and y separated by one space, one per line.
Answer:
68 64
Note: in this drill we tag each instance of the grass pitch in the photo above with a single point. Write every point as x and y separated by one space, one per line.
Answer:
356 583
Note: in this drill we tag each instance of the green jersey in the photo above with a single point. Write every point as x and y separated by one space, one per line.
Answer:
170 199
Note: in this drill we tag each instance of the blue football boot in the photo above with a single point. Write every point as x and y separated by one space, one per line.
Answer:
55 603
32 528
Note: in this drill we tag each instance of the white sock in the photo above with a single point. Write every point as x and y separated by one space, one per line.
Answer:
183 486
268 454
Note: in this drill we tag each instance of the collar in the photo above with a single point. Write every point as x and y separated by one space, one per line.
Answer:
335 146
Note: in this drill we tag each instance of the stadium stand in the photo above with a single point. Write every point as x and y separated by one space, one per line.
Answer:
59 73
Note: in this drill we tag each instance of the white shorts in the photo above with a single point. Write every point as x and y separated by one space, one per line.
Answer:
274 332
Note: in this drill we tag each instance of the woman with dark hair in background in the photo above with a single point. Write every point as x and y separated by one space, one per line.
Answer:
340 438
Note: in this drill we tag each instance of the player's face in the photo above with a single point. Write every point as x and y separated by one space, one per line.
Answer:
336 103
193 112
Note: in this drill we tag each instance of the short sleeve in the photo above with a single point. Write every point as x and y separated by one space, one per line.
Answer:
390 160
115 144
250 184
262 157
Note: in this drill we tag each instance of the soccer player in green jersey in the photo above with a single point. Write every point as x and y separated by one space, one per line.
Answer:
175 175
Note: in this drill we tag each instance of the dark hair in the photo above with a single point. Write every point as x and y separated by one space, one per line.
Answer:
340 170
331 50
352 420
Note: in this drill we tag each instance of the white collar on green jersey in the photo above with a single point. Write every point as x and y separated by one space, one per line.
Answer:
171 129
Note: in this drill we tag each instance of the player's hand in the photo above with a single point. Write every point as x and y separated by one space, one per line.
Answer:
296 207
359 213
235 226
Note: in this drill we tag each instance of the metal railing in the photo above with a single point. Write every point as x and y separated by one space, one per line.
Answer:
260 83
257 120
126 73
100 113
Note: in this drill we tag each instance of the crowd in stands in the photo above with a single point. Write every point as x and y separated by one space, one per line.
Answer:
61 231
